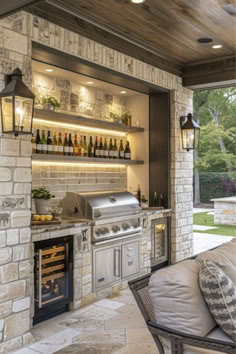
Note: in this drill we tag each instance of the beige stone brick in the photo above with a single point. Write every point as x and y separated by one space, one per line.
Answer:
25 235
8 273
12 237
10 147
26 148
7 161
5 255
28 339
12 327
5 174
12 290
16 41
22 175
20 218
22 188
25 269
5 309
21 252
1 325
6 188
23 162
11 345
2 239
21 305
16 56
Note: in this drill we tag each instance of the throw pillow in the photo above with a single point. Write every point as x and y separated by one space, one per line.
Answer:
219 293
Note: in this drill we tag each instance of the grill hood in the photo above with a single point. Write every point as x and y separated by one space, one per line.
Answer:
99 205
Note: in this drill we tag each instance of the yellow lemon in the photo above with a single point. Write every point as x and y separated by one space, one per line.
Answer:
42 217
49 217
36 217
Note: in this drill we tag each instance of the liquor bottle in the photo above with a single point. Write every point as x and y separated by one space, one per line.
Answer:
54 144
81 147
44 143
76 146
105 149
38 143
91 147
155 200
115 151
139 194
70 144
161 200
66 145
85 148
49 143
127 151
121 151
96 148
33 140
60 147
110 150
101 150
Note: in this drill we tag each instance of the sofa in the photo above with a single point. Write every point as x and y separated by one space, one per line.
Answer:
176 312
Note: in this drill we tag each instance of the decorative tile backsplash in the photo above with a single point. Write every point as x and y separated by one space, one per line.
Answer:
62 179
74 97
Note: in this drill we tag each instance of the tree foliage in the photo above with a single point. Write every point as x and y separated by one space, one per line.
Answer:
216 111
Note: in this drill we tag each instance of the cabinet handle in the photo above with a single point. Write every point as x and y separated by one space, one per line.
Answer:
40 279
117 263
130 249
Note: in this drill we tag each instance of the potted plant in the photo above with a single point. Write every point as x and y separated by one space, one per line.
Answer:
49 103
144 202
127 118
42 198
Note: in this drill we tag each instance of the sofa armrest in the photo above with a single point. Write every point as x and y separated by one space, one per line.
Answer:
178 339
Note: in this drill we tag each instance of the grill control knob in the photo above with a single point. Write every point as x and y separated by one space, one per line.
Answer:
135 224
98 232
125 226
115 228
104 230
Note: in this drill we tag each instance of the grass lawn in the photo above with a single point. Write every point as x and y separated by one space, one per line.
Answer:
208 220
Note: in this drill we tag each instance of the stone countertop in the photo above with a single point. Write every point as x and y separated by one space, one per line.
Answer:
65 224
225 200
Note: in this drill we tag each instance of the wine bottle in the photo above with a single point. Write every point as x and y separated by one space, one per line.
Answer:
49 143
96 148
161 200
101 150
81 147
127 151
60 148
54 144
66 146
105 149
155 200
111 150
44 143
85 148
139 194
121 151
38 143
91 147
33 140
70 145
76 146
115 151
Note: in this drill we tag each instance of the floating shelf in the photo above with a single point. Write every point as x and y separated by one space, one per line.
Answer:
89 122
81 159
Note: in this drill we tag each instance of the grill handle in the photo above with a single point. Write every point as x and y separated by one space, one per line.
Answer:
117 263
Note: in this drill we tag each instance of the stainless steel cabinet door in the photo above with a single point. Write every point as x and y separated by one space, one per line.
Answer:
130 259
107 266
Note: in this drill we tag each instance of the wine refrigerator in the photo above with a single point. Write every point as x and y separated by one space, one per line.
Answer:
53 282
160 243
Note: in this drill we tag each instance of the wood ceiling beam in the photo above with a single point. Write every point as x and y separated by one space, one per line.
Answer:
210 73
10 7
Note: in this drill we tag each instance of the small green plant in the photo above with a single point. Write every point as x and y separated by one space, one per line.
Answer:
42 193
50 100
126 118
143 199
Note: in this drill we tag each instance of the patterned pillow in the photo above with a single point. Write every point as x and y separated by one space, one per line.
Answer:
219 293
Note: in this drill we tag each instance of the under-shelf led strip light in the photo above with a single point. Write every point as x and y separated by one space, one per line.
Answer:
74 164
78 127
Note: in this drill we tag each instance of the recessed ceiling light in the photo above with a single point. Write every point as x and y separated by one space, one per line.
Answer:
49 70
90 82
122 91
137 1
217 46
205 40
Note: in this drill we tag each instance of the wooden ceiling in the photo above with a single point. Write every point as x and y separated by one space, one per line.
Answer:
164 33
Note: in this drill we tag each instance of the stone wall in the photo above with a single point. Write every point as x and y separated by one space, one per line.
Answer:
225 211
16 34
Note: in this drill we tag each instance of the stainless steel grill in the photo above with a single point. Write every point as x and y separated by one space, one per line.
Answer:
114 214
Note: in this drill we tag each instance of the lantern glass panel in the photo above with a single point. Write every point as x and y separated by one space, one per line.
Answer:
7 114
188 138
23 114
197 137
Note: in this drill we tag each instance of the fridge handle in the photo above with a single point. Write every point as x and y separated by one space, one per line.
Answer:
40 278
117 263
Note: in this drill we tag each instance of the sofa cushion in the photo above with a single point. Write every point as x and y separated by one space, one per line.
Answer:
229 250
218 334
177 299
220 295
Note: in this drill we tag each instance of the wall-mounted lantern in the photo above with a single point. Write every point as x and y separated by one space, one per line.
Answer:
190 132
17 105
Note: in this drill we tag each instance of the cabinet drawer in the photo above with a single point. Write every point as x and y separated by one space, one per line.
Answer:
130 259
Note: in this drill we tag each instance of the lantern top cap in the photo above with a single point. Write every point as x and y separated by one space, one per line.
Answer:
16 86
16 74
190 123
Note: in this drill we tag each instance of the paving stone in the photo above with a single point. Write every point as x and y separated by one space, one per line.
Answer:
101 336
84 348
